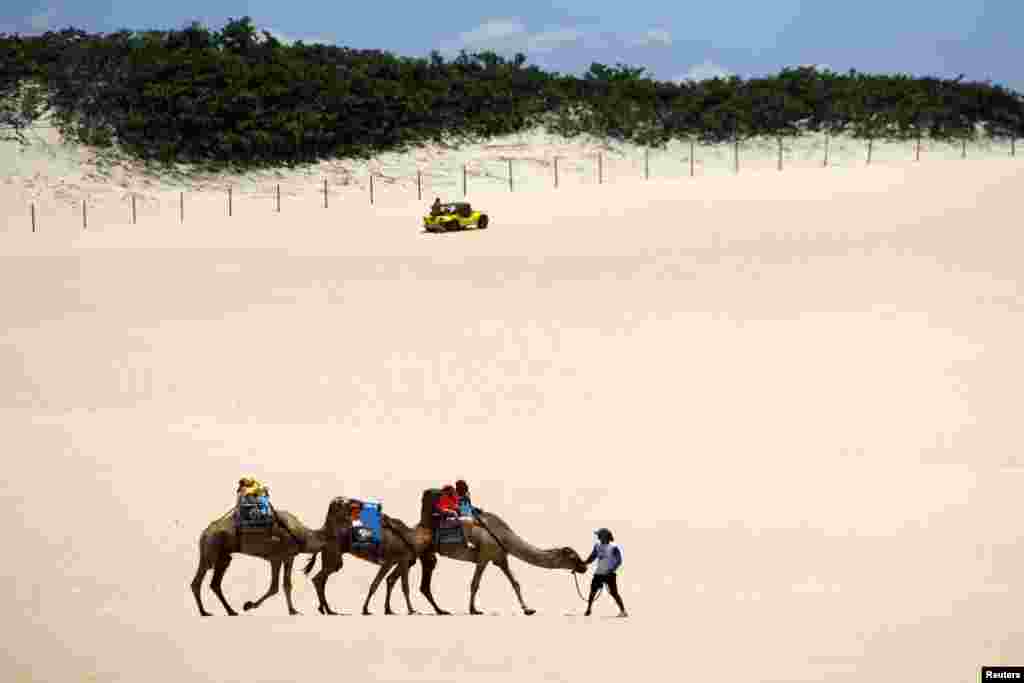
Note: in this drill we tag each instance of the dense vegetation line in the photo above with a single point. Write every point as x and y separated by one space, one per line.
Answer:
239 97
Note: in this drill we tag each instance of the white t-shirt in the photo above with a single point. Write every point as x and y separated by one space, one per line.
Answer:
606 558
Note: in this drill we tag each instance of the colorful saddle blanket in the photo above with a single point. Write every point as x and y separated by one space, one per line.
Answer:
366 528
449 531
254 512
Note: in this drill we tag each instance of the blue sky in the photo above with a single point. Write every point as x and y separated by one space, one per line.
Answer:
671 39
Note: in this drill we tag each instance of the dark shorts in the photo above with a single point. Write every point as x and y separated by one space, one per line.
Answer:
600 580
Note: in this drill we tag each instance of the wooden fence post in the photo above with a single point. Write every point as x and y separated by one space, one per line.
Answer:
647 164
33 207
463 181
509 175
371 189
917 154
419 185
84 220
692 146
325 193
825 162
556 172
1013 147
229 201
870 141
134 215
600 168
181 206
736 154
780 153
964 155
279 197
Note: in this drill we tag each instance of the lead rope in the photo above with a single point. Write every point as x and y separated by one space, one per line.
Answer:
576 581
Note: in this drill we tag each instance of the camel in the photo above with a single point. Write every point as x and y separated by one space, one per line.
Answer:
493 541
400 546
286 539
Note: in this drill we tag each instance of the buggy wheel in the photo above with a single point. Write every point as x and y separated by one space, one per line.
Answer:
482 222
452 225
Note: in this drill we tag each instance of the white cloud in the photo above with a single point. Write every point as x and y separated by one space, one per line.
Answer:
816 67
510 35
655 36
547 41
706 70
492 30
42 21
286 39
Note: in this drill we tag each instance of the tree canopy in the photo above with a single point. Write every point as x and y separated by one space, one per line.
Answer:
239 96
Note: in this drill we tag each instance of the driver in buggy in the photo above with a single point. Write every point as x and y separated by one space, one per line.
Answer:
435 208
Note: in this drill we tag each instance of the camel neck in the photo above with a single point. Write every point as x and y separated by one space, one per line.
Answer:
520 549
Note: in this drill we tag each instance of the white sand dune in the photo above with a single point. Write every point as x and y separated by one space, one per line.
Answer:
792 396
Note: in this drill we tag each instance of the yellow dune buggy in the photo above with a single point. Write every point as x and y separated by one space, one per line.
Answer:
454 216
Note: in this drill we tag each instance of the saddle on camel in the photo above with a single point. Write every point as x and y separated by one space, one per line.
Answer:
449 514
252 510
365 518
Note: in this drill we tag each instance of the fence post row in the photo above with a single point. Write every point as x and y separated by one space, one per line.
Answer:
511 178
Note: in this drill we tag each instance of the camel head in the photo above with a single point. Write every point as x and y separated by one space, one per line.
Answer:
570 559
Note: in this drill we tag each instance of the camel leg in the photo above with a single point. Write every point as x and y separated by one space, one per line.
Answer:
405 587
429 561
288 585
219 568
391 581
330 562
502 563
373 586
275 581
475 585
197 583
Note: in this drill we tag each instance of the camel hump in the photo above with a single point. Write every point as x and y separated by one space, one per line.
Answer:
430 497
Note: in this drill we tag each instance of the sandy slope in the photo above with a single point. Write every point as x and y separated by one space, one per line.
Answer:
792 396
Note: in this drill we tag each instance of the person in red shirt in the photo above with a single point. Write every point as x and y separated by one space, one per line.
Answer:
448 502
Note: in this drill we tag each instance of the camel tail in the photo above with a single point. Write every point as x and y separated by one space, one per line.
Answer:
309 565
